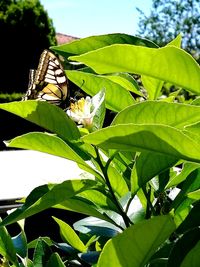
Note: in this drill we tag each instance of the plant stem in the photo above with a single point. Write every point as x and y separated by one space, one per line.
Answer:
150 207
104 170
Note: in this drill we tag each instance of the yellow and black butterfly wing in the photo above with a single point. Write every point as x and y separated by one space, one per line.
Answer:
48 82
31 92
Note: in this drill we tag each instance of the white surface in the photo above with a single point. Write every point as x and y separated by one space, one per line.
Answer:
23 170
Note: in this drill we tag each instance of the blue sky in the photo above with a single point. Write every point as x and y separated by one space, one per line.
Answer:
82 18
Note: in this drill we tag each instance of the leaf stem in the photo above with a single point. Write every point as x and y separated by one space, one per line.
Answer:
104 170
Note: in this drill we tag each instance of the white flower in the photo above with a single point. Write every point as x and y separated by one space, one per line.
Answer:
83 111
80 112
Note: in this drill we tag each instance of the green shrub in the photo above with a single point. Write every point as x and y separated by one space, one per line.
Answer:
26 30
141 183
10 97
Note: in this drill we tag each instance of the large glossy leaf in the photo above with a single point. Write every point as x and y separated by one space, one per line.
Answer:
69 235
117 97
94 42
169 64
174 114
150 138
45 115
135 246
54 195
50 144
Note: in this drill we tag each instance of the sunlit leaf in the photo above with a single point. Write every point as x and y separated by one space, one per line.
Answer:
50 144
157 112
94 42
170 64
160 139
116 96
140 241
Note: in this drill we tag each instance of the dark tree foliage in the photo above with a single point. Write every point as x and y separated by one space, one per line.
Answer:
168 18
25 30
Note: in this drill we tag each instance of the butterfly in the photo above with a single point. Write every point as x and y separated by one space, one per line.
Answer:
48 82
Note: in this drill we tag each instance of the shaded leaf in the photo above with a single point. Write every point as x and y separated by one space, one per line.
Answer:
55 195
46 115
70 236
55 261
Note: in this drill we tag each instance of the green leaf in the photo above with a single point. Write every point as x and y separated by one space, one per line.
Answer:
41 254
192 258
182 204
191 184
48 116
147 166
82 206
55 261
194 195
117 97
98 107
125 80
100 199
182 246
95 228
165 140
135 246
70 236
157 112
94 42
20 244
117 181
187 168
50 144
152 85
191 221
170 64
55 195
7 248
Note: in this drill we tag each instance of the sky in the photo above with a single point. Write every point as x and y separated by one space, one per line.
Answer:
82 18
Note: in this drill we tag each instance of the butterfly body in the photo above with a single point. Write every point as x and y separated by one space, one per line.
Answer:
48 82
